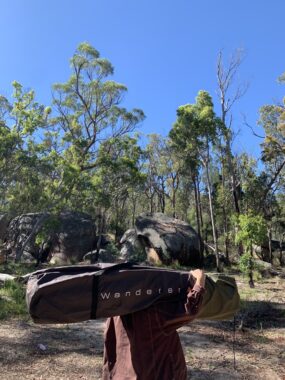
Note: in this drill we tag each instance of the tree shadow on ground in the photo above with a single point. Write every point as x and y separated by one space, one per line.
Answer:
37 342
255 315
210 374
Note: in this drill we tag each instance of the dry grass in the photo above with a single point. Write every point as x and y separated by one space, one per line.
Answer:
69 352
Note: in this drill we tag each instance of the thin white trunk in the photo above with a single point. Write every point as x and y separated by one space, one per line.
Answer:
209 186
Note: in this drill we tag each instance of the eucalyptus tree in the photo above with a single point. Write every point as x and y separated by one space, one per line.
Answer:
26 170
8 145
119 175
163 175
23 170
194 134
155 185
229 94
181 142
87 119
88 108
272 119
55 164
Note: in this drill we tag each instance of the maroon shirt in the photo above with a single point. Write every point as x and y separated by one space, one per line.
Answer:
145 345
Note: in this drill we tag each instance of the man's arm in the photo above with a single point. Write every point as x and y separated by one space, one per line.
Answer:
199 276
196 291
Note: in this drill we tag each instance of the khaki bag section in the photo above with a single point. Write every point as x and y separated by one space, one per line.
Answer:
221 299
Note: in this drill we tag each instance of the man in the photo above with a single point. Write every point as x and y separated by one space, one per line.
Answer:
145 345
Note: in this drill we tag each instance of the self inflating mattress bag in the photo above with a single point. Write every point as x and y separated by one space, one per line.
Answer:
79 293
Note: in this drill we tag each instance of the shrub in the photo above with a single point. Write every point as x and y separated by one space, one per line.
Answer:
12 300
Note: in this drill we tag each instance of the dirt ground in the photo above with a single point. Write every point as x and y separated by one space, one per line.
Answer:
69 352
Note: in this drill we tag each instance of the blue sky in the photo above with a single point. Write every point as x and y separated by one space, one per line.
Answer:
163 51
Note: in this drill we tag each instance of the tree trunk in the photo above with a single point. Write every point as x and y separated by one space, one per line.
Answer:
151 203
224 211
101 227
201 250
162 197
200 205
226 233
280 251
233 177
251 282
174 204
134 211
234 184
225 78
212 218
175 184
269 244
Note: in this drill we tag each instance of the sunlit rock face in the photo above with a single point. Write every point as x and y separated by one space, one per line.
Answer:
67 238
164 240
75 236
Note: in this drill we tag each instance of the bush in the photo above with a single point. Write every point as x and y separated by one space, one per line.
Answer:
12 300
246 263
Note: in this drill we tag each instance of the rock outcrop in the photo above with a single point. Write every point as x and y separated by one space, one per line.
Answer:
171 239
67 237
17 232
75 235
132 248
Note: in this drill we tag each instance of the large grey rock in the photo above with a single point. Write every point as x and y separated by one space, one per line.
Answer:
74 236
59 258
278 258
17 232
131 247
103 256
266 269
67 241
172 239
262 251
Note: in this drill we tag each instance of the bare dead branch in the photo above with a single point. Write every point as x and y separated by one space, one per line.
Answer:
251 128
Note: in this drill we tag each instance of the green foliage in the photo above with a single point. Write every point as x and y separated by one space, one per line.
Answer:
113 250
81 154
88 108
272 119
252 230
194 133
22 165
50 156
196 126
12 300
17 269
139 256
246 263
49 226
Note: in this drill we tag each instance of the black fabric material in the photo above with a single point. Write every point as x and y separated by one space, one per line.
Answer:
126 265
79 293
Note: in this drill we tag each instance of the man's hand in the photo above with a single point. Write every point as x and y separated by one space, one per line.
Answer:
200 276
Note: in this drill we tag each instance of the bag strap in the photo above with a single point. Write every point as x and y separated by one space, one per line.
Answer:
112 268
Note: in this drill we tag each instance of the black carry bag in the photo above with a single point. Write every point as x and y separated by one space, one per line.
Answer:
79 293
